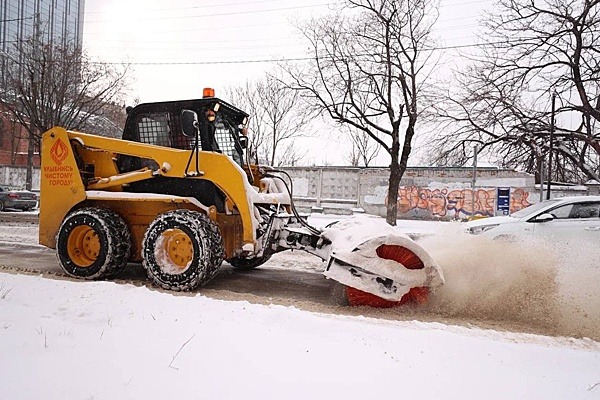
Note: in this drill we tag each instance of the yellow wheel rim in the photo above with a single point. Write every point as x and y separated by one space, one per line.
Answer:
83 246
177 245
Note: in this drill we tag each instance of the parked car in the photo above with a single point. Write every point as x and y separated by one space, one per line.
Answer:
20 199
575 217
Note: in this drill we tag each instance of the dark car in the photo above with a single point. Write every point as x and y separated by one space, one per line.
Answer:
20 199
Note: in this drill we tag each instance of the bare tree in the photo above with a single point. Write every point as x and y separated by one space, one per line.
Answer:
246 97
368 68
276 119
531 51
364 150
289 155
45 86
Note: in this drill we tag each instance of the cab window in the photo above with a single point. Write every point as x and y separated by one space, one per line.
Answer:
162 129
225 138
154 129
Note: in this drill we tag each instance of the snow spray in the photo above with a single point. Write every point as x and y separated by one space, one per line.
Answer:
544 285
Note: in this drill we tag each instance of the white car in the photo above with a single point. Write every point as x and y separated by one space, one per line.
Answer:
567 217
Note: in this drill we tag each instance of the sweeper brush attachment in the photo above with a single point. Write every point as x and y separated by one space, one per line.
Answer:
379 266
405 257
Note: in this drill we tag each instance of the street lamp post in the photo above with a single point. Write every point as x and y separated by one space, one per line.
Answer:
474 182
551 147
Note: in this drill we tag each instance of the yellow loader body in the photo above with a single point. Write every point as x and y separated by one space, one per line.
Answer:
63 189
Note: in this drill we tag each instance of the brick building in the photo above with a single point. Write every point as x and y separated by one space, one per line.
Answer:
13 142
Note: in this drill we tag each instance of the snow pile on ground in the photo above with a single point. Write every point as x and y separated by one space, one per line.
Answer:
102 340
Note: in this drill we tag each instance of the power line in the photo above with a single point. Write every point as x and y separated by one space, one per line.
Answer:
197 7
268 1
250 11
465 3
211 41
212 29
205 46
221 28
281 59
230 27
222 14
195 47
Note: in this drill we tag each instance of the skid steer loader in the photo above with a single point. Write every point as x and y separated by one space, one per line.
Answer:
176 195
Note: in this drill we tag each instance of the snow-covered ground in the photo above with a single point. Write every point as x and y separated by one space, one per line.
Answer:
101 340
62 339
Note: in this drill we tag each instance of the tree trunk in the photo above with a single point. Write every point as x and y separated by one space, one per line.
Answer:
274 148
395 176
398 167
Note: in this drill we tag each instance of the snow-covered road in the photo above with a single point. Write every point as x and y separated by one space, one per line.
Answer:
524 287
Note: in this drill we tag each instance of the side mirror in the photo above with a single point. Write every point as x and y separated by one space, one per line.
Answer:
244 142
544 217
189 123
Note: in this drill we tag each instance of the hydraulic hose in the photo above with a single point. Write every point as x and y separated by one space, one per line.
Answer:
290 190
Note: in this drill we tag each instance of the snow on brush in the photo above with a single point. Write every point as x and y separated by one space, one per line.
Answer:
355 241
100 340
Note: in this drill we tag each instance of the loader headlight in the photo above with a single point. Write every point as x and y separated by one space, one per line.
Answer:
478 230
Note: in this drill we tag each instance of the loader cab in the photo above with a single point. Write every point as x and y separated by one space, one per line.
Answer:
221 128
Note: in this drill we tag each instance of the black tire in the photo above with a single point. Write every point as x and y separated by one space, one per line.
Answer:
1 206
110 238
505 238
24 209
246 264
189 264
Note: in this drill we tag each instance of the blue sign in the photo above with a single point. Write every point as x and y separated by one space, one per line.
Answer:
502 201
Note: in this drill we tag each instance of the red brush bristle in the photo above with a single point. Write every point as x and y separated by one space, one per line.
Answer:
400 254
405 257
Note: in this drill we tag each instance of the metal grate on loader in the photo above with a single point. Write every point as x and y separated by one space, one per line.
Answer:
162 130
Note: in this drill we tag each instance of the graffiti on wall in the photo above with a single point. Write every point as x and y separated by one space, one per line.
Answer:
452 203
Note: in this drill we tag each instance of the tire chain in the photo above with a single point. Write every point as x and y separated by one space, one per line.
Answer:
117 230
215 251
216 245
116 224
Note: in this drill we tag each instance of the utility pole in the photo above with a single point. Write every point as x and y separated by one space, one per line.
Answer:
542 172
551 146
34 88
474 181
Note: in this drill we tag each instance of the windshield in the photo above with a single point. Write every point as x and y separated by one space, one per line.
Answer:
533 208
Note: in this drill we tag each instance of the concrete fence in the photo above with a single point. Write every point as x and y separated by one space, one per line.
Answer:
425 193
16 177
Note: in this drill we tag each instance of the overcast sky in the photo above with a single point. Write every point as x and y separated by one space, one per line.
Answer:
178 47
